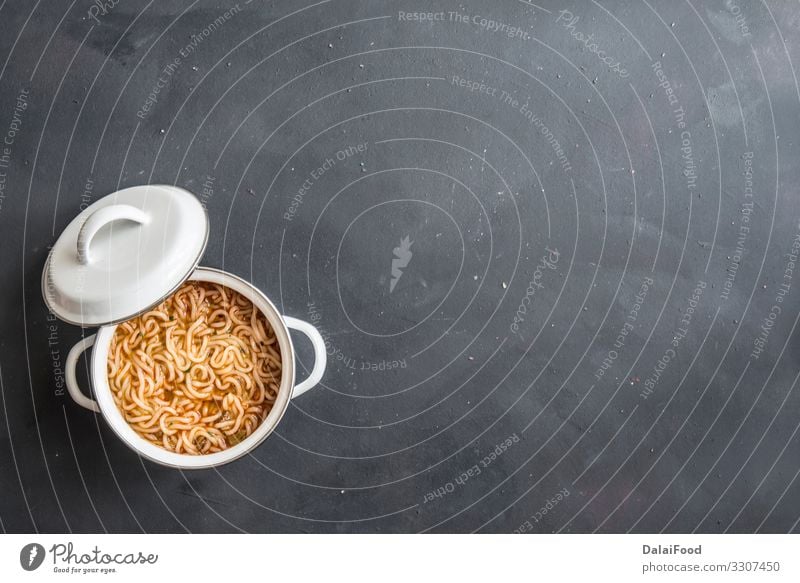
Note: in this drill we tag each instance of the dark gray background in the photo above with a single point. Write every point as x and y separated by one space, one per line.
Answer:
426 380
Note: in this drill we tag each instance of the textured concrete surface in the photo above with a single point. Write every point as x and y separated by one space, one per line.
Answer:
551 248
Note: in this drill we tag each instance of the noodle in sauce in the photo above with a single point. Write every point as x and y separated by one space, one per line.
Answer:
198 373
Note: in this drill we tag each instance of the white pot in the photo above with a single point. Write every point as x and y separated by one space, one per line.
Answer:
104 401
122 256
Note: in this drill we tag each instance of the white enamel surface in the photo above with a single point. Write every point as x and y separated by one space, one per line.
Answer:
320 354
115 419
137 245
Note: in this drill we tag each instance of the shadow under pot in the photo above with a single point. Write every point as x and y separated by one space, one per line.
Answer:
121 257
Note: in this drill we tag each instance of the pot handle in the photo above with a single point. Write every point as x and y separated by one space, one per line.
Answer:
71 378
320 355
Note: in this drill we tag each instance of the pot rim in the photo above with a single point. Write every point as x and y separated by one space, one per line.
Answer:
145 448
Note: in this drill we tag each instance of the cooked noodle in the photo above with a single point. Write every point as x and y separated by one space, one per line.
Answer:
198 373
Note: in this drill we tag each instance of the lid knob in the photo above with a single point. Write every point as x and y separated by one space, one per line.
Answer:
99 219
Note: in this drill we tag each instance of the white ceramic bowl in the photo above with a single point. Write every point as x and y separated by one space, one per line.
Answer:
105 405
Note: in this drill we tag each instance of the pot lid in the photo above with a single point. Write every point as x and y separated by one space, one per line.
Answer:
124 254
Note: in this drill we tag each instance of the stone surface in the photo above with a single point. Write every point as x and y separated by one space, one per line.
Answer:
550 249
